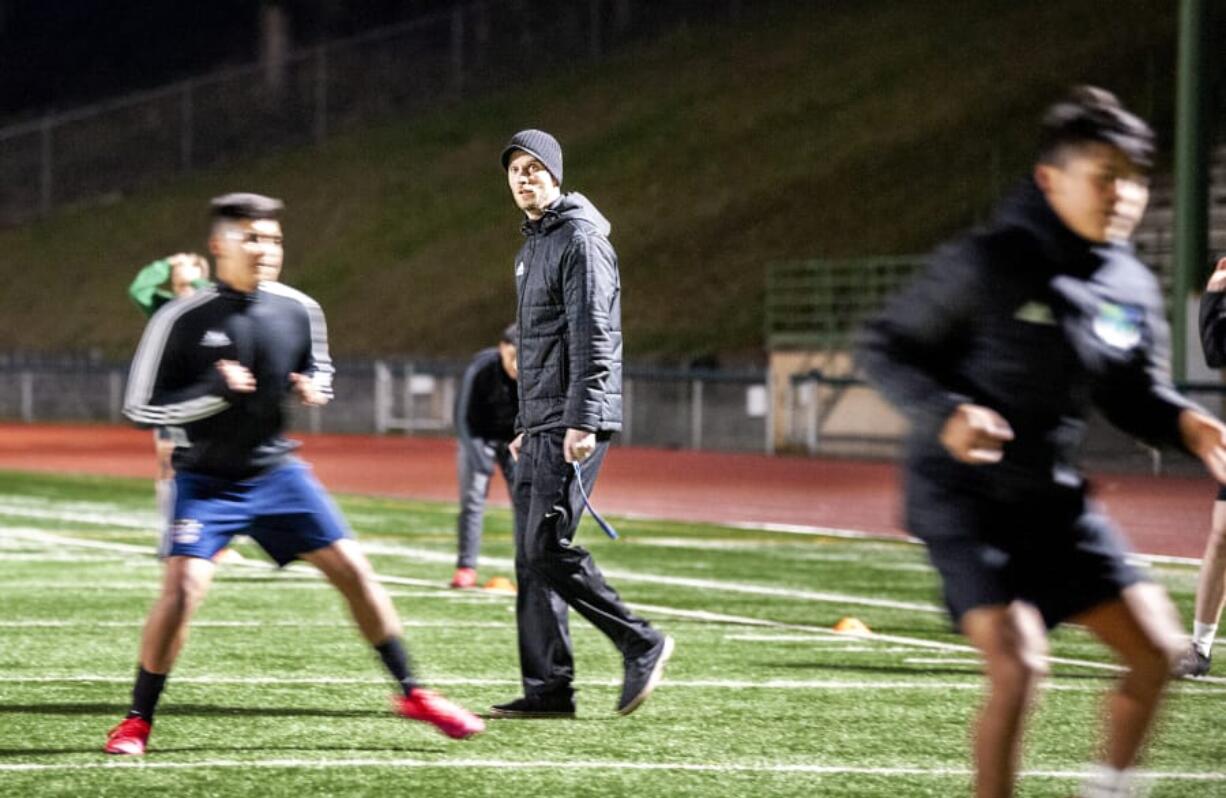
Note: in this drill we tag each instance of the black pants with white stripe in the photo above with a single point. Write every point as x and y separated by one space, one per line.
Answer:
555 574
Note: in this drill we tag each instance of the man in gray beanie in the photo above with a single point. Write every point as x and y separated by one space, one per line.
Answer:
570 404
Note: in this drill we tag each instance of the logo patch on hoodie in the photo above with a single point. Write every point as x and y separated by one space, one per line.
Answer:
1119 326
215 338
1035 313
519 270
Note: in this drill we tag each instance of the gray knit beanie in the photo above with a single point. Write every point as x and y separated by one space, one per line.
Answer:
541 146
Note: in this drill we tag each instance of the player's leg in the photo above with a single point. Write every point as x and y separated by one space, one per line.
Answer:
347 568
543 634
1013 642
1141 626
474 466
184 585
295 518
1210 597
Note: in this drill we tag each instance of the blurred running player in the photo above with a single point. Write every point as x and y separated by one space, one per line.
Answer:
221 364
997 353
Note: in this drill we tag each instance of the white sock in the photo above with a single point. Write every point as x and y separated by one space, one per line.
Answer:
1105 781
1202 636
164 490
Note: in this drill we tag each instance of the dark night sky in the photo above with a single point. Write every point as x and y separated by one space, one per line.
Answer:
56 54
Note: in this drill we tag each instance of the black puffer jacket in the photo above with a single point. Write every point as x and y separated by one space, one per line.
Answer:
570 331
1033 321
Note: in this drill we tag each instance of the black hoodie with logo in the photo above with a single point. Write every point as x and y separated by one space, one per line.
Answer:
570 333
1038 324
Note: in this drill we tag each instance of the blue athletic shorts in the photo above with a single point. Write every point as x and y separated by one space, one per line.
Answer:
285 510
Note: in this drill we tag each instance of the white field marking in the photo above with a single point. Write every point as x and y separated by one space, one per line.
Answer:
104 516
943 661
798 768
800 685
57 558
339 623
426 555
852 534
39 535
915 642
114 515
813 639
793 551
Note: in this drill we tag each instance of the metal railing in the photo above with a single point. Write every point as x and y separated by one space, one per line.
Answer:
818 304
93 154
672 408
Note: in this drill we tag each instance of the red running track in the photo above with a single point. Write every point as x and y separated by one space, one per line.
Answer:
1167 515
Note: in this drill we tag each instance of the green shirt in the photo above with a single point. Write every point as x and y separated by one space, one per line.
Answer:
151 287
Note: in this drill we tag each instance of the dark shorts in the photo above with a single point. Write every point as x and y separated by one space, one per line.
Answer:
1064 557
285 510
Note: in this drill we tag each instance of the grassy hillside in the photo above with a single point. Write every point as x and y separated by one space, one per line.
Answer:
837 129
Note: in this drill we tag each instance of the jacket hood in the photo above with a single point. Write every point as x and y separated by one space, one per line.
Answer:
1027 209
575 206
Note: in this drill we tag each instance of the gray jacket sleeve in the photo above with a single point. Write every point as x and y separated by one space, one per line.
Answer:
908 350
590 285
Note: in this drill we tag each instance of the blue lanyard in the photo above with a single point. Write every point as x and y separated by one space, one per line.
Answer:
605 525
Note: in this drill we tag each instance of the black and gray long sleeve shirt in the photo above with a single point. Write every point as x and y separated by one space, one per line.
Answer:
174 380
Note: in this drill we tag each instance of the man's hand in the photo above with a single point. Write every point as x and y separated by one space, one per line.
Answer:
975 434
515 445
1217 281
578 445
238 378
304 386
1205 437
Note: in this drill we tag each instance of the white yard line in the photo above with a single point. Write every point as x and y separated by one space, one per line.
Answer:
801 685
426 555
977 661
798 768
714 585
342 623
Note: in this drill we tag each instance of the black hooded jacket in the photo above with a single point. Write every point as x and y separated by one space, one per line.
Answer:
1037 323
570 334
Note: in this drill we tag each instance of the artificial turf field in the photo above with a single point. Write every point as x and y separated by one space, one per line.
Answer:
277 695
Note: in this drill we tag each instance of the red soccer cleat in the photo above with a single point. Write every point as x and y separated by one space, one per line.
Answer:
451 719
130 737
464 578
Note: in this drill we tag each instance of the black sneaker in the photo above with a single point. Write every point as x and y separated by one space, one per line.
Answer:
1191 665
535 707
643 674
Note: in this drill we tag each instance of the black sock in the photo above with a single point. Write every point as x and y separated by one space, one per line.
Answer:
394 657
145 694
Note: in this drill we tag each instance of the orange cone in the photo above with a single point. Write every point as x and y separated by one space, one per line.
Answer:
500 584
852 625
